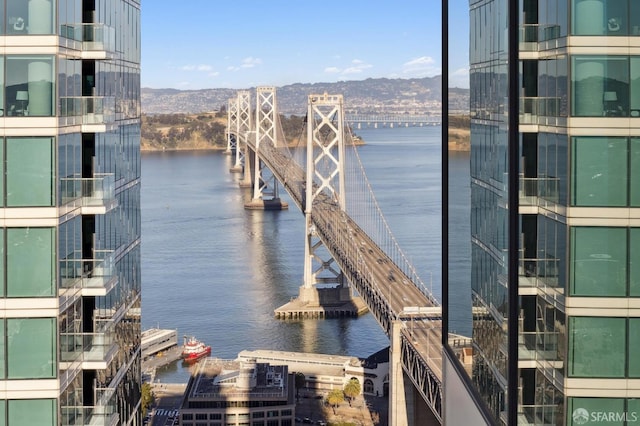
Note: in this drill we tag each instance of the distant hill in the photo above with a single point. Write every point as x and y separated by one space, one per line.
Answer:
373 95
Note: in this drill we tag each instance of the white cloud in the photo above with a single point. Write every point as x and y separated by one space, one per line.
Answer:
250 62
461 71
214 74
421 61
357 67
332 70
201 67
421 66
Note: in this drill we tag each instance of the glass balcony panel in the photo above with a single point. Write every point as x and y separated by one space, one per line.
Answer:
94 37
99 190
92 346
98 37
92 109
95 416
532 34
70 189
90 273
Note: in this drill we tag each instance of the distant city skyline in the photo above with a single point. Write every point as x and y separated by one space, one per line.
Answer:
201 44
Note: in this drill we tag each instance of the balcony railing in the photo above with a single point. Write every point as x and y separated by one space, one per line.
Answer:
91 109
97 191
539 267
89 347
94 37
530 189
532 34
538 345
91 273
94 416
531 108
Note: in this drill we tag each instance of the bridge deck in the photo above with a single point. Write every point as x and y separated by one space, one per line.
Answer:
382 284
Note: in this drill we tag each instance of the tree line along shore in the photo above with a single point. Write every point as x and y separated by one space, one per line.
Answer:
207 131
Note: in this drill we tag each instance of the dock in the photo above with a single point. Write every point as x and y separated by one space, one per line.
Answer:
159 348
299 309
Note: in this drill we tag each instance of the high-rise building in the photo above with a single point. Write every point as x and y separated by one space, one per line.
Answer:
70 212
554 312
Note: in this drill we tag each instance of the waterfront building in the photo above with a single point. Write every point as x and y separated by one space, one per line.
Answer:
70 234
554 314
234 393
324 373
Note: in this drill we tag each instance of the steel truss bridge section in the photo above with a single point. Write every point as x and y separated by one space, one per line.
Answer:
388 292
392 120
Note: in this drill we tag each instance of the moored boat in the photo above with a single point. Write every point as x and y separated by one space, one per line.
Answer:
194 349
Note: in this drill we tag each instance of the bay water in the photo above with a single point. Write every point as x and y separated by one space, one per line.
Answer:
212 269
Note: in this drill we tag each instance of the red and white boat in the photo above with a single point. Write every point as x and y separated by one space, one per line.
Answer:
194 349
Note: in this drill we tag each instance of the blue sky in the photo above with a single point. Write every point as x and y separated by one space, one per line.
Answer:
197 44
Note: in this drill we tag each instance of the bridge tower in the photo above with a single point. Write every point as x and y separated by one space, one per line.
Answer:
232 124
265 184
243 130
325 179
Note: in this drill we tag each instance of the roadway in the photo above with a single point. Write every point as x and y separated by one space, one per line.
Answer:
379 281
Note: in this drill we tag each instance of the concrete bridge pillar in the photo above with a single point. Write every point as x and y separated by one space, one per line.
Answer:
401 395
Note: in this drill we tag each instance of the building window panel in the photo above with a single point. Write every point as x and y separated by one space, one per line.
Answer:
602 17
30 17
31 348
597 347
30 88
634 348
33 412
634 263
599 171
30 172
596 411
598 261
600 86
31 267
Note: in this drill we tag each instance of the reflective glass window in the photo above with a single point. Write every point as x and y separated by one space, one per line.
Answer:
30 262
634 348
634 263
33 412
30 172
600 86
634 70
31 348
595 411
599 171
634 176
30 88
598 261
597 347
604 17
30 17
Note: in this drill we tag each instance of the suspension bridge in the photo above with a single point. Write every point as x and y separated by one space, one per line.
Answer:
351 256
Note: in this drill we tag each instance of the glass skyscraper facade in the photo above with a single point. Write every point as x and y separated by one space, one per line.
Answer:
70 212
554 317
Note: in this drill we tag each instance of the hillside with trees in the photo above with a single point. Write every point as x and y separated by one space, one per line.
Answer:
173 132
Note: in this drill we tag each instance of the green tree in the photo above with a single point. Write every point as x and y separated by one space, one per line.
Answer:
335 398
147 398
352 389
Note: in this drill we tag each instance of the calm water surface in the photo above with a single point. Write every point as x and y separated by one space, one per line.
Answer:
217 271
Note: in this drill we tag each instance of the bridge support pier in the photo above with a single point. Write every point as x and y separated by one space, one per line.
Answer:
401 397
406 405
